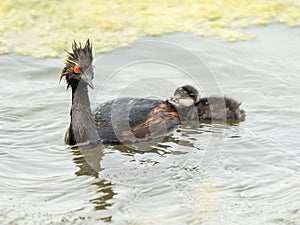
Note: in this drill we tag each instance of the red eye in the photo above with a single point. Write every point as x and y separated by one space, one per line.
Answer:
76 69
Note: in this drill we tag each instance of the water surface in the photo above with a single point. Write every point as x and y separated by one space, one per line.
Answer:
253 180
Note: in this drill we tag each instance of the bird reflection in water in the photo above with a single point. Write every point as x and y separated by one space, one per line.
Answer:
88 161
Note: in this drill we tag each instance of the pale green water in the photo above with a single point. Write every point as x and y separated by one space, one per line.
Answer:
254 180
46 27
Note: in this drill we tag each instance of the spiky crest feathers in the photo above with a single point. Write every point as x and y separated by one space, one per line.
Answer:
80 56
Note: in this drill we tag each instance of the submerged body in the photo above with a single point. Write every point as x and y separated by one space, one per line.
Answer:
134 119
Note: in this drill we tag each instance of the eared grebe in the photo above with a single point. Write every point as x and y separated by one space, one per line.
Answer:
192 107
115 121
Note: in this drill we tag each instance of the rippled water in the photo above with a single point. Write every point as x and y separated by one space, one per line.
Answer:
253 180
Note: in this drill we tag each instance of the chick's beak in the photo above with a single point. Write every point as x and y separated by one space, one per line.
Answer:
177 97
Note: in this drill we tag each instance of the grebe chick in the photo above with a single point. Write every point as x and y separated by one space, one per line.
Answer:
187 98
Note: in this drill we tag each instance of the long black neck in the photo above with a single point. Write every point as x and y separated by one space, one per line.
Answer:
82 125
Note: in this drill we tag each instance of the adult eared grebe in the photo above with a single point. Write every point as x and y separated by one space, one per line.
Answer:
192 107
115 121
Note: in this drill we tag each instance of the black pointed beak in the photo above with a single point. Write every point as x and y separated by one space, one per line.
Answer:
90 83
88 78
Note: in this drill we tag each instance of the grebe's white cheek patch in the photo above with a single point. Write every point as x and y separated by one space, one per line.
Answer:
186 102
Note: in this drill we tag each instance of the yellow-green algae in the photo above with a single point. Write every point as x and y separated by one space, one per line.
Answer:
45 28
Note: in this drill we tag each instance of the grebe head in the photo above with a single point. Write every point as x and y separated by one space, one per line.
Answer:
79 65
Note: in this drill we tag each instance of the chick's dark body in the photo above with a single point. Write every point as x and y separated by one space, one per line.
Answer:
220 108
